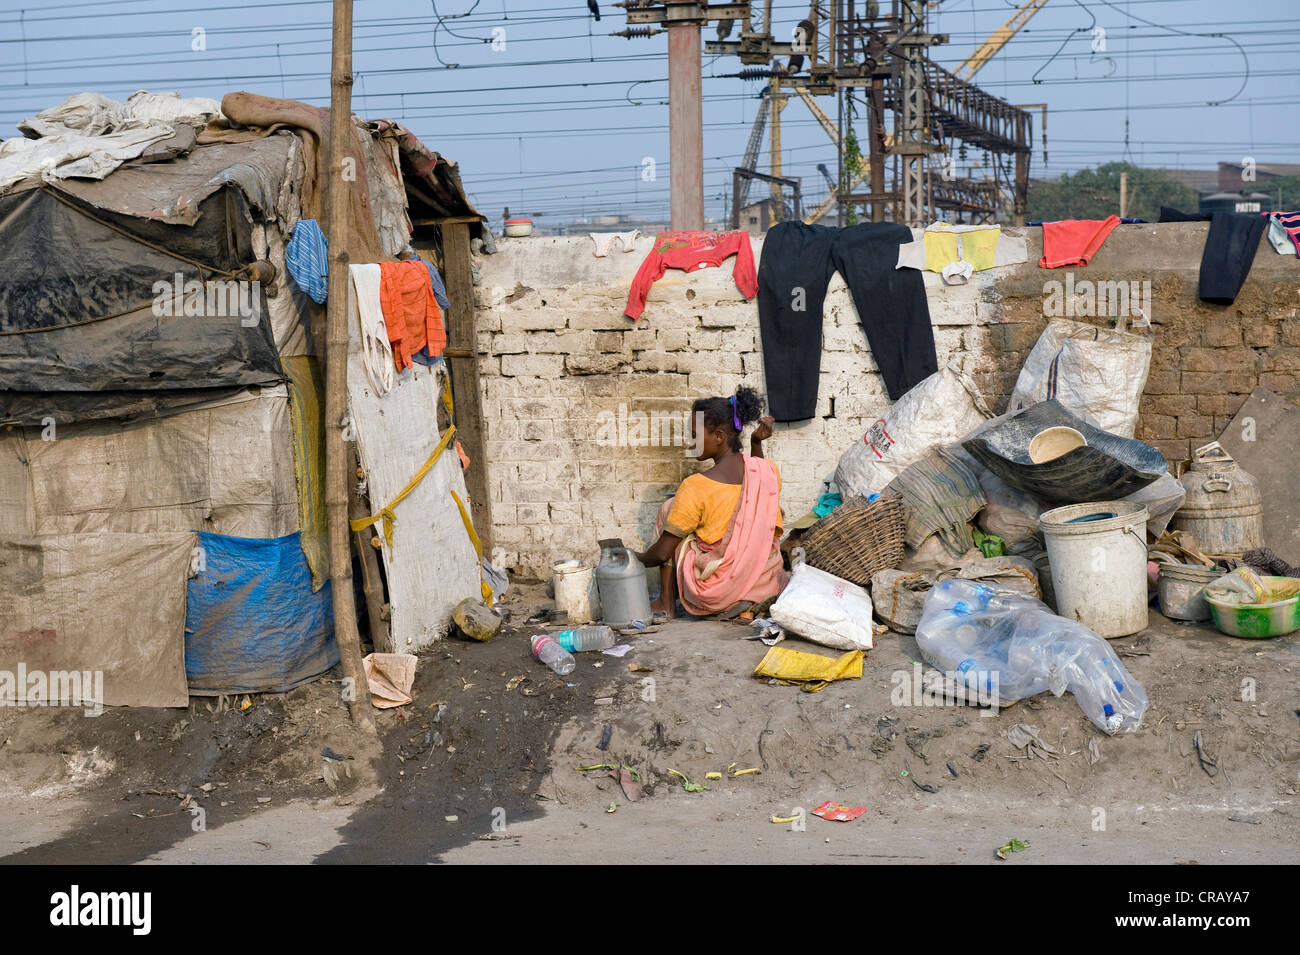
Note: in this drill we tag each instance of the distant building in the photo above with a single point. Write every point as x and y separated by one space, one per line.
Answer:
1230 174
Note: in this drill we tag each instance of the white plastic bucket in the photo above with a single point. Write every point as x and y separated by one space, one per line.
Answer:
1098 555
575 591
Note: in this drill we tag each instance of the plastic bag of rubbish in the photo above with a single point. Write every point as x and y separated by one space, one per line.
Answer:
1007 645
496 578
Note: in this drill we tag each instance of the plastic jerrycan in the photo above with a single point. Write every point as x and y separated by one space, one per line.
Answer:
621 582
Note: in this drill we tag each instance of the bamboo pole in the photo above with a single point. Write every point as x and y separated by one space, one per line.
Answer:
336 381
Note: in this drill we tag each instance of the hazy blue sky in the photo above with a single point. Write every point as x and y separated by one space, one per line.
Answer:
557 123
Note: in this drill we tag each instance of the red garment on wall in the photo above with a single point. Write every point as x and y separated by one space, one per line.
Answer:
1074 241
411 312
690 251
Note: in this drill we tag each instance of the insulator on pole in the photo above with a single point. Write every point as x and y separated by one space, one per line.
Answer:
632 32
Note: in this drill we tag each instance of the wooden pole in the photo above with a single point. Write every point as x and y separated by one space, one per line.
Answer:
336 371
462 356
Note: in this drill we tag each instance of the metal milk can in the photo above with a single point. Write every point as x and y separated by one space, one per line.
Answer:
621 582
1223 510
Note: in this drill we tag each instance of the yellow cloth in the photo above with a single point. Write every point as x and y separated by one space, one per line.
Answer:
306 399
809 671
978 247
703 507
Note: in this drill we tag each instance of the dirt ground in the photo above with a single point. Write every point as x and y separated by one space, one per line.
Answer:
482 767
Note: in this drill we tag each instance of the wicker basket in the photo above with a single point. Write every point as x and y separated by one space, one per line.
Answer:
858 539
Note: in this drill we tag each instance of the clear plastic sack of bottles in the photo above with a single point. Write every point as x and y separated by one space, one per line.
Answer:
1003 646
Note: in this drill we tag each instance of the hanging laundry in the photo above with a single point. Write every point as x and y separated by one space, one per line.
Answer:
1074 241
410 310
1228 255
690 251
956 252
797 264
605 241
444 303
307 259
1284 232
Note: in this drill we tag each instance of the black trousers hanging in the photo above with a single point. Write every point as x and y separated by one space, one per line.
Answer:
1229 252
796 267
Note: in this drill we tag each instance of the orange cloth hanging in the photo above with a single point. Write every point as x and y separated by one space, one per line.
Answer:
410 311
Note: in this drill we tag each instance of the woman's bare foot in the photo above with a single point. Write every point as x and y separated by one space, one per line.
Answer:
664 607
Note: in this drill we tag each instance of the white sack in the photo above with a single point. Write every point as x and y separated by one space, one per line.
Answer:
1095 373
940 410
825 609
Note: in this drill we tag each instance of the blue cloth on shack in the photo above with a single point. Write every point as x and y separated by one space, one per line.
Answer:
307 259
252 624
827 503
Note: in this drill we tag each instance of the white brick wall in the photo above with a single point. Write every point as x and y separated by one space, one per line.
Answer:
557 353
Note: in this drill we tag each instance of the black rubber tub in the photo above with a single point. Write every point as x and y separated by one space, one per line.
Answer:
1108 468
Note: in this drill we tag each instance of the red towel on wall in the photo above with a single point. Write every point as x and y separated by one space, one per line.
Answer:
410 310
689 251
1073 241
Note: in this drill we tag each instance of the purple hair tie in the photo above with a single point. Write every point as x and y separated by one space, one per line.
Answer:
735 414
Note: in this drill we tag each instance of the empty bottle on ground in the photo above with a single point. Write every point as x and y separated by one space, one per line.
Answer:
585 638
553 655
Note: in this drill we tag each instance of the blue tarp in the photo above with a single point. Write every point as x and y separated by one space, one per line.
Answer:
252 624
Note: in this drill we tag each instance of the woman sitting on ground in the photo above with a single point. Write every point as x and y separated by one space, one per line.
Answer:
717 547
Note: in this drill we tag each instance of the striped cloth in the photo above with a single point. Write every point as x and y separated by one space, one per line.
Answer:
942 494
307 259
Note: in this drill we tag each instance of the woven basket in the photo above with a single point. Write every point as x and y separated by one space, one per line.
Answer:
858 539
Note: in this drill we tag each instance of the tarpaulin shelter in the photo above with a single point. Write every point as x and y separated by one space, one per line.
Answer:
161 432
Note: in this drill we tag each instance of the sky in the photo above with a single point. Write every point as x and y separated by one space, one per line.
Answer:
548 114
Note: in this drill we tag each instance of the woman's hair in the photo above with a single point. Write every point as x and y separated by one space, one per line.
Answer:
719 412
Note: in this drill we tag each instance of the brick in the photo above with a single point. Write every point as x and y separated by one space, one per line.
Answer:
1276 381
1263 335
594 364
1222 334
609 342
703 340
1194 426
665 385
1163 383
1212 383
1218 359
1160 426
536 430
533 366
600 321
673 339
1291 331
527 408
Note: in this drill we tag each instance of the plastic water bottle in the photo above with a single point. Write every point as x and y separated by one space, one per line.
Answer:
585 638
553 655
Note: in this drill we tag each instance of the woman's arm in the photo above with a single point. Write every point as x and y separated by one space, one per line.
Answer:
761 434
661 551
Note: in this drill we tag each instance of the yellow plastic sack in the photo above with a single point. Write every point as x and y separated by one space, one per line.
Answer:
809 671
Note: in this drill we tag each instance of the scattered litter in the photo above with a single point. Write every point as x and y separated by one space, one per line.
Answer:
330 754
1246 819
603 701
713 775
981 752
1208 763
515 681
451 818
951 770
390 677
781 820
1015 845
246 703
742 772
613 807
1093 752
767 630
689 786
640 668
263 798
627 782
605 735
834 812
811 672
618 651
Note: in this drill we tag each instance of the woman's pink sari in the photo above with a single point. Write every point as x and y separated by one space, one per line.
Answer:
746 563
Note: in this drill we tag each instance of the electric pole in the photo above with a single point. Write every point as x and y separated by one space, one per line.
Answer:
683 19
